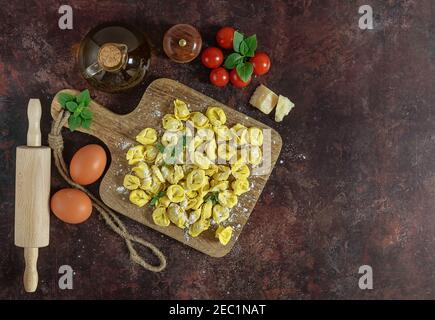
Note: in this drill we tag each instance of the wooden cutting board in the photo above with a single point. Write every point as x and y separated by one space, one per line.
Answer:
118 132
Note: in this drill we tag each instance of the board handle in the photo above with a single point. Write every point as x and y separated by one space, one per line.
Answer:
30 278
105 123
34 112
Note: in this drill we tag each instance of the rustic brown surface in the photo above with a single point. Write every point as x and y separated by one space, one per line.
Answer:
118 132
355 183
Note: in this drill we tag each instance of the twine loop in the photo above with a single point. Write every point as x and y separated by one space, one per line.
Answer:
55 142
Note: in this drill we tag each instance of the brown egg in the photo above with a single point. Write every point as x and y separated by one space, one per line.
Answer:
71 205
88 164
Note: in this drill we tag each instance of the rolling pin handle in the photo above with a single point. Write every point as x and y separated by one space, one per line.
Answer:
30 273
34 111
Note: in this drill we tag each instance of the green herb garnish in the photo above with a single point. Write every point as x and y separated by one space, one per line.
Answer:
78 106
212 196
160 147
156 197
244 49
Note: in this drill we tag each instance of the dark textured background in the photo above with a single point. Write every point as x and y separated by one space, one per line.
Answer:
354 185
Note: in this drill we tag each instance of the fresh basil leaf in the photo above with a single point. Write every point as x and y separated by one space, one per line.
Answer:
63 98
77 112
86 114
71 106
212 196
74 122
251 42
86 123
244 70
244 49
238 38
84 97
153 201
232 60
184 140
160 147
157 197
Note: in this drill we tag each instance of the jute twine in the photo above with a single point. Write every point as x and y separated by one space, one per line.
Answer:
55 141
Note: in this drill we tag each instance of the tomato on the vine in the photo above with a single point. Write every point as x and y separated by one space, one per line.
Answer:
236 81
212 57
224 37
261 63
219 77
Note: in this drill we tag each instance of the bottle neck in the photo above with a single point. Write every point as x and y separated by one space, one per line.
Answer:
112 56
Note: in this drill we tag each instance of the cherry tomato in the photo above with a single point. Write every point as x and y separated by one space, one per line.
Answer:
219 77
212 57
224 37
261 63
236 81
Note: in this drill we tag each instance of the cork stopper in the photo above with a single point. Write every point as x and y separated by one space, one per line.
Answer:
111 56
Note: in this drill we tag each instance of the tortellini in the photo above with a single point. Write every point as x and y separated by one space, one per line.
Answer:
240 172
135 154
172 174
198 227
255 136
150 153
240 186
240 134
223 173
227 199
223 133
224 234
194 173
170 138
177 215
196 179
255 155
199 120
171 123
175 193
147 136
139 197
220 213
206 134
141 170
131 182
160 218
180 110
216 116
226 151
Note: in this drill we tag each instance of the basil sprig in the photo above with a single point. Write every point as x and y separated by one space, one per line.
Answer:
244 49
212 196
156 197
78 106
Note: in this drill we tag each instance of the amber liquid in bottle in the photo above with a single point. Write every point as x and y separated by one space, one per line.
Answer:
114 57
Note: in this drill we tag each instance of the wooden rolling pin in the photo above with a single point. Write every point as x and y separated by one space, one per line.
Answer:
32 193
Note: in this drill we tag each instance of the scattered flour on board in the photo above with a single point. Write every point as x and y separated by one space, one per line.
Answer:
123 145
122 190
156 113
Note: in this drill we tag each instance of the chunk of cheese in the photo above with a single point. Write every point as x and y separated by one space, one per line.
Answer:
264 99
283 108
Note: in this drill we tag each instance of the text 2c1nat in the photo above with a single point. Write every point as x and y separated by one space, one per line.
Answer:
219 309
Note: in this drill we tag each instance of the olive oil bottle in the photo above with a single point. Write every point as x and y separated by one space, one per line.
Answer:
114 57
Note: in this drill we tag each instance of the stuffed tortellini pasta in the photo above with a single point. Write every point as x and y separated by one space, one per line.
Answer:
160 217
181 111
216 116
147 136
194 173
224 234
